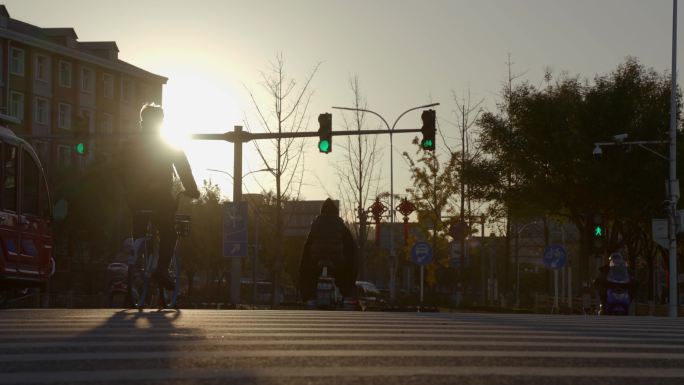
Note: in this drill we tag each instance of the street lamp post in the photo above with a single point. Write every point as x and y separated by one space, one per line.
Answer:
673 185
393 289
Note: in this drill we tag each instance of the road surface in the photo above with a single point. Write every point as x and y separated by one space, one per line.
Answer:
303 347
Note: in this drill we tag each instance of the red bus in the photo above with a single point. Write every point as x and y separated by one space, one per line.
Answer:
26 254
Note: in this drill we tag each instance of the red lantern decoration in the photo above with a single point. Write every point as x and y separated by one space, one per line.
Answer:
406 208
377 209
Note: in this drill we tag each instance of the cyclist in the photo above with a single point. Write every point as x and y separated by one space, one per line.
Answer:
147 172
330 240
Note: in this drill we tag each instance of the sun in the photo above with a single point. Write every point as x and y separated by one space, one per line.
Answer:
175 137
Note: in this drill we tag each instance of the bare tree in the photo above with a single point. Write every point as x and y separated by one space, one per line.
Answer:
467 114
358 173
285 111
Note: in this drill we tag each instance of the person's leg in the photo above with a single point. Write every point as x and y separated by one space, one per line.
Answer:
139 230
164 221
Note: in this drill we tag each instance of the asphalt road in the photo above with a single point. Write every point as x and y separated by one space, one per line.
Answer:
304 347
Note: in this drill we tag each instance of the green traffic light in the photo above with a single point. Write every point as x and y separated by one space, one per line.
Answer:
324 145
598 231
80 148
427 143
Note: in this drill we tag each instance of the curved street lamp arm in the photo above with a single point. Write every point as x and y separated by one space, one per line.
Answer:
413 109
365 110
383 119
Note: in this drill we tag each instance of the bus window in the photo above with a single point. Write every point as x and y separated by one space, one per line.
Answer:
29 187
9 184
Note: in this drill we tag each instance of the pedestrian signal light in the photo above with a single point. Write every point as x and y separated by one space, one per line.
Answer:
428 130
80 148
325 133
598 231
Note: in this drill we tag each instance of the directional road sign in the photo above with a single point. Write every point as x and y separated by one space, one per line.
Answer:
555 257
235 229
421 254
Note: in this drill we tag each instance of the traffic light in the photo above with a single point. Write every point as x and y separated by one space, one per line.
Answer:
598 228
598 232
81 134
428 130
325 133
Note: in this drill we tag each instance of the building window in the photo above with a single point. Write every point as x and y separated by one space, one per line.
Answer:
126 90
87 80
65 74
87 117
42 110
42 68
108 85
17 61
64 118
64 153
107 126
16 105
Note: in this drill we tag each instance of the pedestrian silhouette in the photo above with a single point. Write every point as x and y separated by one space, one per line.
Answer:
329 242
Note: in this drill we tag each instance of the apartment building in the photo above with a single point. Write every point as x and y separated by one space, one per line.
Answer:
52 85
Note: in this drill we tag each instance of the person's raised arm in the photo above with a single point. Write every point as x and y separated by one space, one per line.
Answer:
185 174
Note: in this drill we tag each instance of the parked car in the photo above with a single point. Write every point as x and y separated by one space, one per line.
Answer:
368 297
264 292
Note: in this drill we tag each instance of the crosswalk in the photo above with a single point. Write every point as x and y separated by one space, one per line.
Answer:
308 347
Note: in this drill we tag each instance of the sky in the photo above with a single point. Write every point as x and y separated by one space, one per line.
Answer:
405 54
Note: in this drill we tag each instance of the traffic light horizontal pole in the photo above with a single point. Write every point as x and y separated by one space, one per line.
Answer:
640 143
636 142
246 136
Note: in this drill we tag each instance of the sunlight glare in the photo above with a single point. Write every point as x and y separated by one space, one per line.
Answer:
199 99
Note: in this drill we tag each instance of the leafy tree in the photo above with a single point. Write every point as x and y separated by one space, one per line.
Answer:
546 138
434 185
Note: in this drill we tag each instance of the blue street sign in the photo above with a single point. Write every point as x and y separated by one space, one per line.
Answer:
421 253
235 229
555 257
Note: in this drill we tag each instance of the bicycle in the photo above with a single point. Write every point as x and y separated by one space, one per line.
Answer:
142 264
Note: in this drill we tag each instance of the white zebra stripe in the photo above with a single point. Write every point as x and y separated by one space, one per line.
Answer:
386 372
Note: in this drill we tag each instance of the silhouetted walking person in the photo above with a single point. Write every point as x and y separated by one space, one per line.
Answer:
329 241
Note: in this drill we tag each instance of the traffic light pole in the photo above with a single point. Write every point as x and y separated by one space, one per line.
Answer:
238 137
673 185
236 263
246 136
